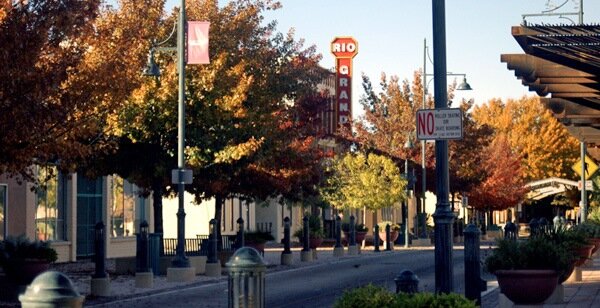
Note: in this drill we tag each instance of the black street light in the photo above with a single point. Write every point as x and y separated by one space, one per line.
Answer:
443 216
180 176
408 145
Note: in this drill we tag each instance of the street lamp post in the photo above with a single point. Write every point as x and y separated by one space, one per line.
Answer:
408 145
180 176
443 216
463 86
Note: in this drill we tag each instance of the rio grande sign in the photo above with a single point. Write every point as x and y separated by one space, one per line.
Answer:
344 48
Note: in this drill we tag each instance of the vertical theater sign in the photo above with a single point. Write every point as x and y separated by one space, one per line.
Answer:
344 48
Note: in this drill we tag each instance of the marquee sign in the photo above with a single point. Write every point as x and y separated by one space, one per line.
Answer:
344 48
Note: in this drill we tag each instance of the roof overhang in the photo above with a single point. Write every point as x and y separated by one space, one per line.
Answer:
562 65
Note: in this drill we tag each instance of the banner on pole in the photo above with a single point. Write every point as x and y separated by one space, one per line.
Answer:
197 42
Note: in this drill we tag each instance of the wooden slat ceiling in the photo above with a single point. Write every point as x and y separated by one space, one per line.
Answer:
562 65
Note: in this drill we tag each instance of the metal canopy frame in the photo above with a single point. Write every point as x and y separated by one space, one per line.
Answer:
562 65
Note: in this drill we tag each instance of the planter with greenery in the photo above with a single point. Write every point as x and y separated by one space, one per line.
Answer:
315 231
394 230
23 259
257 239
375 296
528 271
360 230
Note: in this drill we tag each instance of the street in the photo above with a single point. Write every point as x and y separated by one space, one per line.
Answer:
315 286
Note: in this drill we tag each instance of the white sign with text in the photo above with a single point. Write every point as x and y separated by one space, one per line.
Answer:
439 124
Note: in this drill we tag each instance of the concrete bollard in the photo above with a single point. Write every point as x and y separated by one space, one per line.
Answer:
305 255
213 266
407 282
144 278
286 255
100 284
352 247
376 238
472 264
246 279
51 289
338 250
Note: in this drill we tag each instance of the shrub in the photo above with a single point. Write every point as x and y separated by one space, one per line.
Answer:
393 226
358 227
535 253
15 250
374 297
258 237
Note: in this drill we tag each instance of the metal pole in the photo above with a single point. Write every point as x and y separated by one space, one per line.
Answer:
180 259
583 203
405 207
443 216
423 169
580 12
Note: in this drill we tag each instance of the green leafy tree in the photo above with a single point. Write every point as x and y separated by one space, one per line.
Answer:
356 180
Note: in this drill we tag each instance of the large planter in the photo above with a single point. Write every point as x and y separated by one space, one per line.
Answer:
360 236
23 272
596 242
584 252
314 242
527 287
259 246
567 273
393 235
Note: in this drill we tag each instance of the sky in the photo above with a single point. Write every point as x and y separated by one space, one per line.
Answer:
390 35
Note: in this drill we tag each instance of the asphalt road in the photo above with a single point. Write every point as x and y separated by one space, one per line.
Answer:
314 286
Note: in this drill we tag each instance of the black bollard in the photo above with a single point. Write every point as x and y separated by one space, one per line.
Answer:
534 227
142 252
286 236
240 234
510 231
100 251
212 246
352 231
338 231
407 282
472 264
376 238
305 234
388 237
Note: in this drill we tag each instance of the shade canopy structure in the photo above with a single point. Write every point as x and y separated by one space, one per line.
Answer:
561 64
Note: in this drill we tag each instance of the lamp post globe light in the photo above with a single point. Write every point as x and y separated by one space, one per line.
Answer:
462 86
180 176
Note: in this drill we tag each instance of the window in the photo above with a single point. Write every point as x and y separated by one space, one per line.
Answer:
50 205
3 204
122 213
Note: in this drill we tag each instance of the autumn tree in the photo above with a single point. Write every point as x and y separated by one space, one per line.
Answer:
465 155
356 180
503 187
544 145
244 137
67 65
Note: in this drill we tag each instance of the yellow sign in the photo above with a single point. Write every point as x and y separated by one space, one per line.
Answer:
590 167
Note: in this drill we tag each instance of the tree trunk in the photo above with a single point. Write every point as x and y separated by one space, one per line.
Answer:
157 206
219 200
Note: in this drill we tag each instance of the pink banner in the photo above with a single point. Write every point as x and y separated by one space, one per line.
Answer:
197 42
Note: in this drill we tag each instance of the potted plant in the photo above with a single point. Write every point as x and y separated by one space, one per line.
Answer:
528 271
257 239
394 230
591 229
23 259
494 232
315 234
359 229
